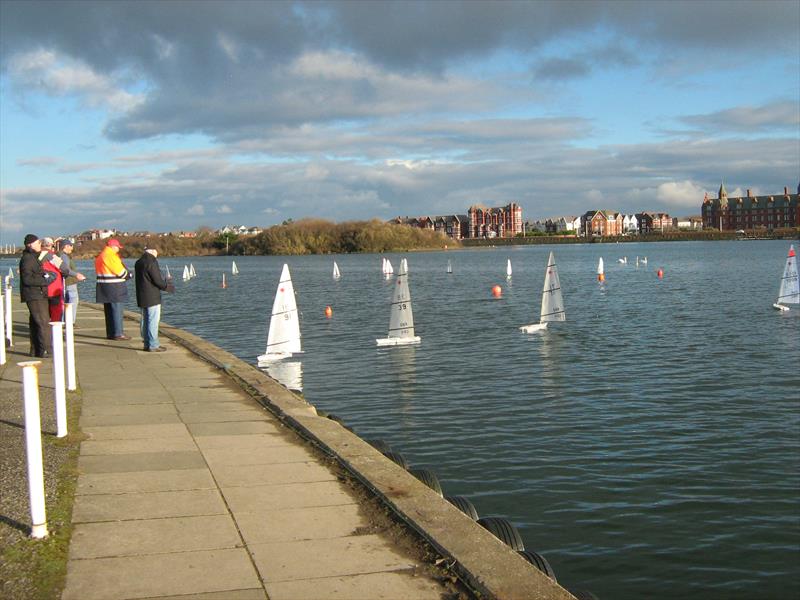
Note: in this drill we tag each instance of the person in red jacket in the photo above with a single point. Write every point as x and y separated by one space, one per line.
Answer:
55 290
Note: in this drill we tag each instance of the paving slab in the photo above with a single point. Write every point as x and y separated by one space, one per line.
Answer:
229 475
147 505
145 481
172 444
222 416
313 523
99 410
142 461
293 560
135 432
153 536
257 440
252 594
160 575
254 455
293 495
374 586
96 421
234 428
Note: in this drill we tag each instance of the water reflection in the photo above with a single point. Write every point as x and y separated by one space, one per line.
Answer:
289 373
403 372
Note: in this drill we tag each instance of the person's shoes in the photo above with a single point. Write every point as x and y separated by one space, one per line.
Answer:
43 354
158 349
121 337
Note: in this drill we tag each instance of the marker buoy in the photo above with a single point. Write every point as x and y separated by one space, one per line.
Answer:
328 312
601 277
497 291
224 285
661 273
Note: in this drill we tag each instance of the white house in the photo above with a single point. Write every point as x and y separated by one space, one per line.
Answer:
630 224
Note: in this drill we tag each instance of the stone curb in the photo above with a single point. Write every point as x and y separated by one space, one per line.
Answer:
479 558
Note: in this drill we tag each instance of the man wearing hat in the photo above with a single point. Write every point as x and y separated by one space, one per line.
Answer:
33 291
149 285
72 276
112 288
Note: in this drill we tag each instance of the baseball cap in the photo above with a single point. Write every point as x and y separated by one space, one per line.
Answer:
114 242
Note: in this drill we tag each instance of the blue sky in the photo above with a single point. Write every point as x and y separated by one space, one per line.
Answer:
175 115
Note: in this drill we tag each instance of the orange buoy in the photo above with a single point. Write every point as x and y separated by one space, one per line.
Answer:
328 312
224 285
601 277
497 291
661 273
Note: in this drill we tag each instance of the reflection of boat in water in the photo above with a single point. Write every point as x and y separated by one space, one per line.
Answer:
283 339
289 373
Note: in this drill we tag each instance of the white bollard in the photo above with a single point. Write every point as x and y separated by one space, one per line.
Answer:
9 323
2 332
58 378
33 445
70 341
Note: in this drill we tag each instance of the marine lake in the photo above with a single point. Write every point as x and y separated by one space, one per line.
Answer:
648 447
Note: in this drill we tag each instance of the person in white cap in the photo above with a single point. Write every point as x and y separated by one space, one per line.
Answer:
72 276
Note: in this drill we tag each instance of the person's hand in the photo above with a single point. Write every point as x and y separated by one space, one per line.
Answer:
48 276
80 277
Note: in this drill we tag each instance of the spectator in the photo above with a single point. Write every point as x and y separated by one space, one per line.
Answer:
149 283
73 277
112 288
55 290
33 291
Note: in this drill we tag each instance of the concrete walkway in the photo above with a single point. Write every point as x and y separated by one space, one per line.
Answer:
189 488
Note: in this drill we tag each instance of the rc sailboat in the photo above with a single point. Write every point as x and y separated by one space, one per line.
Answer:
234 268
552 302
283 339
601 272
336 273
508 269
790 285
401 319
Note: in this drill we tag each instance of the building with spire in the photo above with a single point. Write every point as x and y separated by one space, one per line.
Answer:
776 211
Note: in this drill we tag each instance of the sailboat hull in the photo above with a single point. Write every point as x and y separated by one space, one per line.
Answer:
398 341
535 328
780 307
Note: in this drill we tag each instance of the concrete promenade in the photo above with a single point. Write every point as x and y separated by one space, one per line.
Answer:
203 478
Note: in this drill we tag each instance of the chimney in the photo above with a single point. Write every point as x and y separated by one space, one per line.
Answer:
748 194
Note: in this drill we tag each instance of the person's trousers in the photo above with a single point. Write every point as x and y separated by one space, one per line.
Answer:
151 315
39 327
71 297
113 313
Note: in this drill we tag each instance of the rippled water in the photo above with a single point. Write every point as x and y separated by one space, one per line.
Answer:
649 447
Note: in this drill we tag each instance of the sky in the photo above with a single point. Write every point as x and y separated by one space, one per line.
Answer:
176 115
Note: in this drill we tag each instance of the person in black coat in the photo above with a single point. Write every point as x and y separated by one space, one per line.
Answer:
149 284
33 291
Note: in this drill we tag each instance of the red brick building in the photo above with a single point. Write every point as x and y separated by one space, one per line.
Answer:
503 221
750 212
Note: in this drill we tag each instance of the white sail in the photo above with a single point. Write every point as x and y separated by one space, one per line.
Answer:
192 272
224 284
449 266
234 268
186 275
508 269
552 302
10 273
336 273
789 292
401 318
167 274
600 268
283 339
389 267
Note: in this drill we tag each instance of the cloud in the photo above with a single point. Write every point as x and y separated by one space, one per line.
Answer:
680 194
224 209
779 116
196 209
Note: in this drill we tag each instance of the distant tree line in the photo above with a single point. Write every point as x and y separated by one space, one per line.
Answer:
316 236
307 236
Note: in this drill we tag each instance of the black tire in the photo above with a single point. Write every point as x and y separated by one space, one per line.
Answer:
504 531
540 562
380 446
429 478
397 458
464 505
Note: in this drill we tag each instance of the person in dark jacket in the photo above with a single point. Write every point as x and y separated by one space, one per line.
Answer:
33 291
149 284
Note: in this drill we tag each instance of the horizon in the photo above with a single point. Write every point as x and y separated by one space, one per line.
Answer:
181 115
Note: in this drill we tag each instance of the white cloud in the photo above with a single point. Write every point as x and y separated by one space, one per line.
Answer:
680 194
594 196
224 209
197 210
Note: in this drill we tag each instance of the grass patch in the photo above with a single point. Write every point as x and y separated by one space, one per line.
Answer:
37 569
